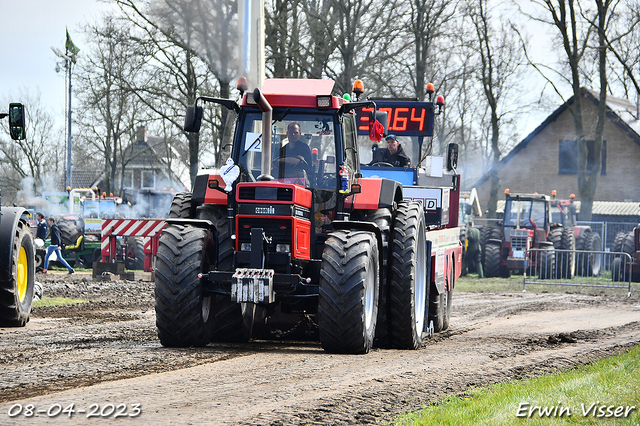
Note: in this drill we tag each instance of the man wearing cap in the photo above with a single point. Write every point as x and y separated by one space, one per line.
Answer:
392 154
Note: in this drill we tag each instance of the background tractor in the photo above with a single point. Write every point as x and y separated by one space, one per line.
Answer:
527 224
17 256
271 244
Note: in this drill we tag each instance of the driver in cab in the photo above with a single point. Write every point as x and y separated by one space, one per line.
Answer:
392 154
296 147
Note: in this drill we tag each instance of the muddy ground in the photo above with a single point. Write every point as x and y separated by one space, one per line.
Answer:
106 351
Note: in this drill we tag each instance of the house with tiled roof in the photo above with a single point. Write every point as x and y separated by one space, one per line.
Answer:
546 159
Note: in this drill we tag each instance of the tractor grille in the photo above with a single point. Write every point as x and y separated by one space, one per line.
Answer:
519 239
265 193
279 230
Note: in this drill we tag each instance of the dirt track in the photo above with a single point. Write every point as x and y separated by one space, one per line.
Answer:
106 351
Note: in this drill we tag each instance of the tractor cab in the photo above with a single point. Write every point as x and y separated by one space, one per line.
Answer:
526 221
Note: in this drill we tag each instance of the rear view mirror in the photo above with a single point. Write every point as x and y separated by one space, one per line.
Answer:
193 119
452 156
16 121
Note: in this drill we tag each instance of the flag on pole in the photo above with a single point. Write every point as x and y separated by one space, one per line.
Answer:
70 46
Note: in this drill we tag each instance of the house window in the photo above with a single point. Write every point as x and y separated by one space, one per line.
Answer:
148 179
568 157
127 181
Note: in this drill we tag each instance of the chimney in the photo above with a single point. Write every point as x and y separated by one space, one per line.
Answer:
141 134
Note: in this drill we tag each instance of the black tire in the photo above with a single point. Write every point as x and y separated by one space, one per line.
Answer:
589 264
440 306
232 322
16 295
69 232
382 218
618 241
627 244
547 265
348 300
182 207
409 281
447 303
491 267
39 258
563 239
618 272
183 312
135 253
487 233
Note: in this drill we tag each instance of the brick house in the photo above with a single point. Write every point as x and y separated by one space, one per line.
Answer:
546 159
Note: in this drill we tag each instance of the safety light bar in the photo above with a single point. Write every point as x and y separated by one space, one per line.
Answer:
323 101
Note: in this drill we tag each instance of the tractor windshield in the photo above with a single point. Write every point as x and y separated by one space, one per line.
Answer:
302 148
529 212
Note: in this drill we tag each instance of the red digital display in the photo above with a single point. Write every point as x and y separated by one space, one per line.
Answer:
404 118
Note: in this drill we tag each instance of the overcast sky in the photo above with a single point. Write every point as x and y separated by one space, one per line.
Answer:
28 30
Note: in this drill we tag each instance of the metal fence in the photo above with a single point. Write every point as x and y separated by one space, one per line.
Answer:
546 266
609 230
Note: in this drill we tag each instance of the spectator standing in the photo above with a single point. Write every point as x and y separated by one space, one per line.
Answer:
42 227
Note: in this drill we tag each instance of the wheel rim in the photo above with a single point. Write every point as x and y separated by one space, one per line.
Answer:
369 295
22 274
420 290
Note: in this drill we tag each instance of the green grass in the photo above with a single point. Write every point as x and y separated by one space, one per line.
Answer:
471 283
57 301
611 381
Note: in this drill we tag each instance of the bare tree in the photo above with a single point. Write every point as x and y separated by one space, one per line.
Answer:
108 106
577 26
35 159
499 63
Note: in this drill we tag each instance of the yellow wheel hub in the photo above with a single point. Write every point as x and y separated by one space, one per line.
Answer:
23 274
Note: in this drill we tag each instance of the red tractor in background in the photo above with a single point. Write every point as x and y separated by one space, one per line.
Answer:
564 211
273 242
527 224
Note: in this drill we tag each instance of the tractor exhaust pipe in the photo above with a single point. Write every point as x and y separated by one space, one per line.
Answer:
266 134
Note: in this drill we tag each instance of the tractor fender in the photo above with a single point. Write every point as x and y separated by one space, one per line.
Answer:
363 226
198 223
376 193
494 240
205 190
9 218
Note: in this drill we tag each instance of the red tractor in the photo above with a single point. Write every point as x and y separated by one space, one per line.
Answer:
276 241
527 224
587 240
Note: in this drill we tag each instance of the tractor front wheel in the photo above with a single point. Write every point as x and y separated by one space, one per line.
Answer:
182 309
349 285
492 253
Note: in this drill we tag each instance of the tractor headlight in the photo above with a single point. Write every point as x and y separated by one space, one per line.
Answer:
283 248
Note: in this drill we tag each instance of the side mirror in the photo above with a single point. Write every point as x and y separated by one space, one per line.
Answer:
16 121
381 116
452 156
193 119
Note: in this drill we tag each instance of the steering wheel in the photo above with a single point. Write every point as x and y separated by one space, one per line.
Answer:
382 164
295 163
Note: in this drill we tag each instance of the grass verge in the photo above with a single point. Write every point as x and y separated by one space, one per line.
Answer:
57 301
609 383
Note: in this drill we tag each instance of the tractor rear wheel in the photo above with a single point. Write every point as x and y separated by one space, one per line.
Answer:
135 253
618 241
408 289
183 311
232 321
440 305
68 231
181 206
590 263
618 272
16 294
492 253
564 239
349 285
382 218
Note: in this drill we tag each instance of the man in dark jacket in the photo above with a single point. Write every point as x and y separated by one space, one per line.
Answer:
392 154
56 243
473 251
42 227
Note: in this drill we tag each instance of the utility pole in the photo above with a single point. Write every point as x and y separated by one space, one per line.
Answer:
68 59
